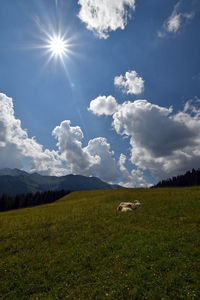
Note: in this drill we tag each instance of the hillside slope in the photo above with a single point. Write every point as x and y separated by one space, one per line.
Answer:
81 247
14 181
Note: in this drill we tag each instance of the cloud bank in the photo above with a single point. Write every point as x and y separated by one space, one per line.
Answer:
105 16
161 141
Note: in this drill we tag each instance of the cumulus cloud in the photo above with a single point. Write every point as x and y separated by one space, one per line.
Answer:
103 105
91 160
96 159
69 143
176 20
162 142
130 83
15 143
105 16
140 120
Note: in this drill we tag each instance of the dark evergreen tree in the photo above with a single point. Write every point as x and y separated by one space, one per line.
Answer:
19 201
188 179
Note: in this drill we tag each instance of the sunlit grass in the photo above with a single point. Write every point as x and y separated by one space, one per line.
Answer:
80 247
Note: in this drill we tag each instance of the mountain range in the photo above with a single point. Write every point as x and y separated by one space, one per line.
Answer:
15 181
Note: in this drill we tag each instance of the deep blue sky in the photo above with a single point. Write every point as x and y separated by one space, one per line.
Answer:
45 95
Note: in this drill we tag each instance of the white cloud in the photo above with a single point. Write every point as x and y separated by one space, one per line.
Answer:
96 159
103 105
15 144
69 143
174 23
162 142
176 20
104 16
91 160
130 83
151 126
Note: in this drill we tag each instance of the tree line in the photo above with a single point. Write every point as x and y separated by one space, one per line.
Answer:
190 178
30 199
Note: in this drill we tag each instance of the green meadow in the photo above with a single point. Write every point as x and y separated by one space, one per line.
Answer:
81 247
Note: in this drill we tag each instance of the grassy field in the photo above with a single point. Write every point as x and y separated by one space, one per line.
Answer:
81 247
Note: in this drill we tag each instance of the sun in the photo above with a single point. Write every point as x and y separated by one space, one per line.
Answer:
57 46
56 43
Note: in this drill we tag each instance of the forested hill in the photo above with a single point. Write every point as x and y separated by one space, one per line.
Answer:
190 178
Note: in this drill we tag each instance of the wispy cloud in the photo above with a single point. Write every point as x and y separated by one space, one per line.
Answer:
176 20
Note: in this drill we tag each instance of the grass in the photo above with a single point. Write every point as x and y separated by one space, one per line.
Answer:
81 247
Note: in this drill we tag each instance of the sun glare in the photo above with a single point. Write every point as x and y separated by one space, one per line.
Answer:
57 46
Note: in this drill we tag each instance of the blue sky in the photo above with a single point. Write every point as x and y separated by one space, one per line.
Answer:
122 104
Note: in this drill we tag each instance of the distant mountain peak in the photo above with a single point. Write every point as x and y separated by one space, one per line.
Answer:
12 172
15 181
